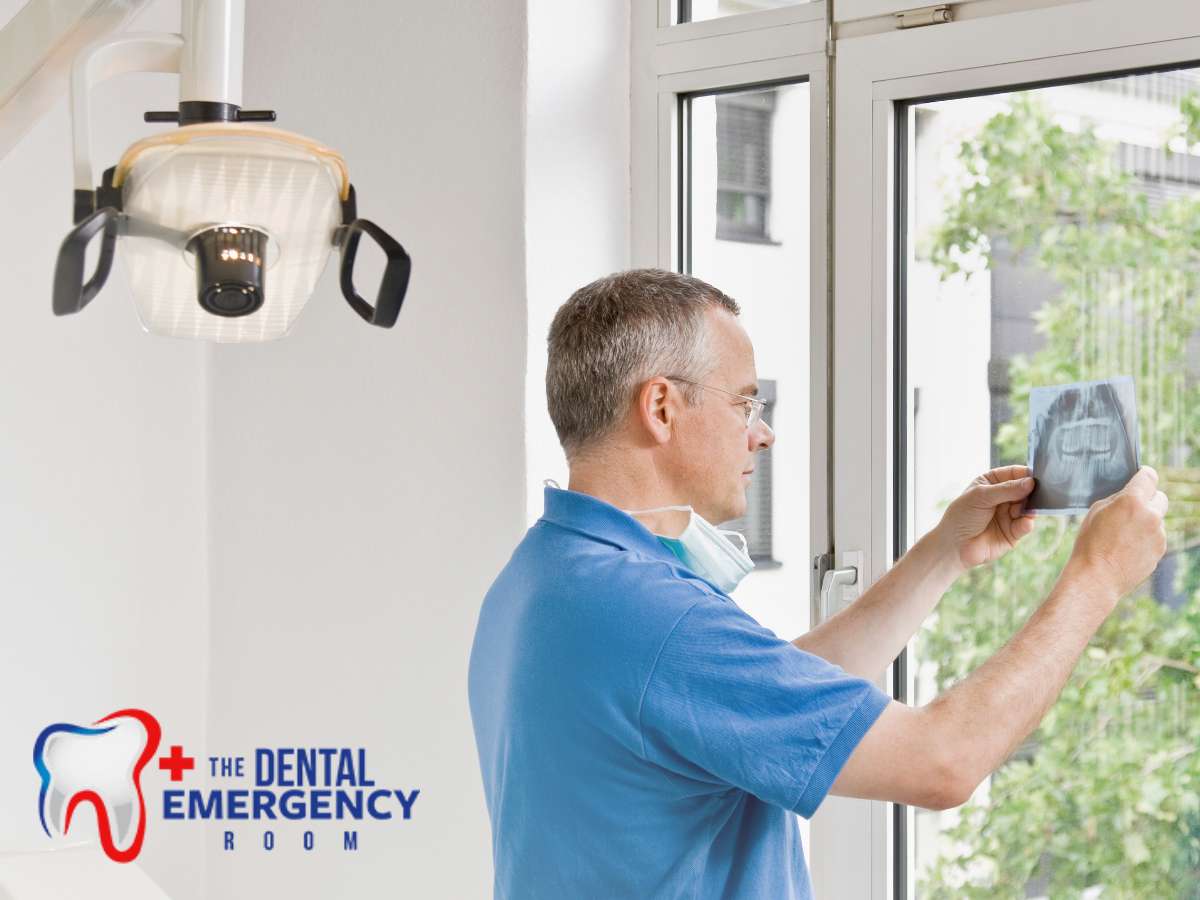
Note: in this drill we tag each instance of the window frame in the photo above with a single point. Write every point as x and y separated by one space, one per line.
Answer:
754 49
876 75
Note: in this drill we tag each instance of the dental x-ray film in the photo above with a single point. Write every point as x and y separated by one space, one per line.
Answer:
1083 443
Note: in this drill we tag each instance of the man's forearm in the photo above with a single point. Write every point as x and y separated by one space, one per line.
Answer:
987 715
868 635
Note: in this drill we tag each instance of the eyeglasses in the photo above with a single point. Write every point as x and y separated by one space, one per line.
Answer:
752 405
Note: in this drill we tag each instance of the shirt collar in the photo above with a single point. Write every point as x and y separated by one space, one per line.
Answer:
600 519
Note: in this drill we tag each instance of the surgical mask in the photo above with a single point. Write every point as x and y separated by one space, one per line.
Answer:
709 551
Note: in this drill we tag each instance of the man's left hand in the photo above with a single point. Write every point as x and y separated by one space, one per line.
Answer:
988 518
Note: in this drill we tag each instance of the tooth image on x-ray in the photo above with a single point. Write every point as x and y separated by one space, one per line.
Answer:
1083 443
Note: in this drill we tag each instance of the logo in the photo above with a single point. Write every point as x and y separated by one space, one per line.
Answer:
284 787
102 766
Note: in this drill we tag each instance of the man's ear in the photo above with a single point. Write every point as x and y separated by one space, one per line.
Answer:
657 409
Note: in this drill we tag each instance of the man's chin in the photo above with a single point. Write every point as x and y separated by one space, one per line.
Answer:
735 510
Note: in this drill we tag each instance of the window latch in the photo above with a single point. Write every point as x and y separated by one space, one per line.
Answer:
925 15
837 587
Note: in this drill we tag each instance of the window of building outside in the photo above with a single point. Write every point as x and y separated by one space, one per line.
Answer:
744 165
756 523
1053 236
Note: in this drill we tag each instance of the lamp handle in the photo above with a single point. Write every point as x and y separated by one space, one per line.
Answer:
394 284
71 293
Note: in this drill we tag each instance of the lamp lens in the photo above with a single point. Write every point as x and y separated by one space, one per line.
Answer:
229 269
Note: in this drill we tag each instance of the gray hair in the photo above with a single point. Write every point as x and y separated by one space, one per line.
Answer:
615 333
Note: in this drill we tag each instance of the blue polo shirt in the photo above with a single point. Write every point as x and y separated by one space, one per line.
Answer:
639 734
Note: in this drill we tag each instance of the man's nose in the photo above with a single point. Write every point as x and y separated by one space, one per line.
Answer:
762 436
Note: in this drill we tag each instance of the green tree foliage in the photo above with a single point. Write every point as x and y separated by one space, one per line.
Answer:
1107 791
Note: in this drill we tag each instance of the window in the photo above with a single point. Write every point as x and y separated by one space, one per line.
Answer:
1049 242
744 142
744 165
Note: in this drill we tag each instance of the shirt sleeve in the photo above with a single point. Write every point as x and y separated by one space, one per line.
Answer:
731 703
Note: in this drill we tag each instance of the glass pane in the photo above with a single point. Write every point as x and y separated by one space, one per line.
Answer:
1053 236
746 231
699 10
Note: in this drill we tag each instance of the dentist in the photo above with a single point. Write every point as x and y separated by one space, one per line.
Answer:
639 734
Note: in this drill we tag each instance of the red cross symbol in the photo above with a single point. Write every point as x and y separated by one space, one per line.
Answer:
176 762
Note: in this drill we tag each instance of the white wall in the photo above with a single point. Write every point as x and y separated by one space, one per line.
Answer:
576 186
102 510
287 543
367 485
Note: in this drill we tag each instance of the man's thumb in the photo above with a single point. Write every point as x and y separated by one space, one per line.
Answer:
1143 483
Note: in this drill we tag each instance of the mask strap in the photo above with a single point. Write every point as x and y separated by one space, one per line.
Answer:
741 537
638 512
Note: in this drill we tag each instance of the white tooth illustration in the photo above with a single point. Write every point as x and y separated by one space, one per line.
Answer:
98 765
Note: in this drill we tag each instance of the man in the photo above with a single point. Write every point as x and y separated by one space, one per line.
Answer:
642 736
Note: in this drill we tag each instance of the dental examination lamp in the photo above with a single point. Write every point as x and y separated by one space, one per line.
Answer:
224 223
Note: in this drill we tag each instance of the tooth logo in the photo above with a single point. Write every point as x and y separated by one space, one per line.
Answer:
101 765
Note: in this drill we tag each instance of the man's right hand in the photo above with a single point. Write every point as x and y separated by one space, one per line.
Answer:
1122 537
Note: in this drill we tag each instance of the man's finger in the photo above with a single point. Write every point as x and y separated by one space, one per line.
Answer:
1006 491
1007 473
1014 526
1143 483
1018 511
